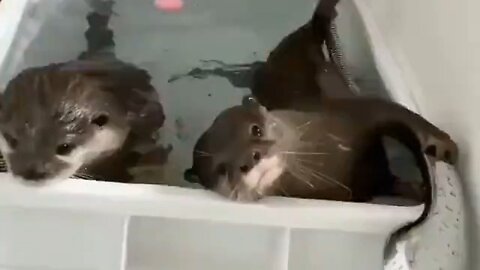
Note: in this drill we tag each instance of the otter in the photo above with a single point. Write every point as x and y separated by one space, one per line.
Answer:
249 152
306 68
92 116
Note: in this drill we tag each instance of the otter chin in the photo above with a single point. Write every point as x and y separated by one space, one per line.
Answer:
253 181
54 159
249 153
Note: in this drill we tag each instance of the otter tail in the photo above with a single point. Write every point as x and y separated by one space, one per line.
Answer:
100 43
416 133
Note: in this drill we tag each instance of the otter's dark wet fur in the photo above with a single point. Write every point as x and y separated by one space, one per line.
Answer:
44 106
96 102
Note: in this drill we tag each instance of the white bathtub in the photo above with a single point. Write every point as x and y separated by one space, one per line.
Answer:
97 225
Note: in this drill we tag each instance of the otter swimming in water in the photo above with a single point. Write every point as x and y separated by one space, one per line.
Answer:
91 116
249 152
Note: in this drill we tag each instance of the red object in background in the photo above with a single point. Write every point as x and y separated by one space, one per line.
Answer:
169 5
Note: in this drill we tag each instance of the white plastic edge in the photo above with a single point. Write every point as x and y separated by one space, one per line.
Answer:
182 203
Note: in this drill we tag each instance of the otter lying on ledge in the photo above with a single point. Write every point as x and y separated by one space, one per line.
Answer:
249 152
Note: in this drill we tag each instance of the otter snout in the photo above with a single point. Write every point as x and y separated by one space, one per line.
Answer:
34 174
31 172
247 155
35 170
250 159
255 172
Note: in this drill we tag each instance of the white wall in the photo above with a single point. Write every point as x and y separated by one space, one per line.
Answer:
436 44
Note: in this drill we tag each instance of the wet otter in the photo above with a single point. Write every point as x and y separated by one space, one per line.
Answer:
304 68
249 152
92 116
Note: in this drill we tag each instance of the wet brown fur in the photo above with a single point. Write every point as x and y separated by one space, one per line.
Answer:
59 99
327 160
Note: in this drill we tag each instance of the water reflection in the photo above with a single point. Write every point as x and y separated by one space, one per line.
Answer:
238 75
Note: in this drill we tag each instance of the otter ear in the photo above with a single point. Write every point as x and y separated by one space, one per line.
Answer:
191 176
249 100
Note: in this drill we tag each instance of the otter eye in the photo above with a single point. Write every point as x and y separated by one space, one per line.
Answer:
65 149
222 169
100 120
256 156
256 131
12 142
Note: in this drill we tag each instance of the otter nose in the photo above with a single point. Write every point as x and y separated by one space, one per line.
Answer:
32 174
250 161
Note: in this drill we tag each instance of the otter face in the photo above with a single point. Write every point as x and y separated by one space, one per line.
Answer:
237 156
50 128
50 149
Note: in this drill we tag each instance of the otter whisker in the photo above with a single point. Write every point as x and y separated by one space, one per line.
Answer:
203 154
85 176
303 125
320 176
333 181
304 153
306 182
302 144
334 137
285 193
326 178
314 162
234 193
299 176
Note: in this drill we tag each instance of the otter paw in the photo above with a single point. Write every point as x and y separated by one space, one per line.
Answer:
442 149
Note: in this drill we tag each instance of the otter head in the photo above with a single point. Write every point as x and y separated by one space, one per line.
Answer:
238 155
54 123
